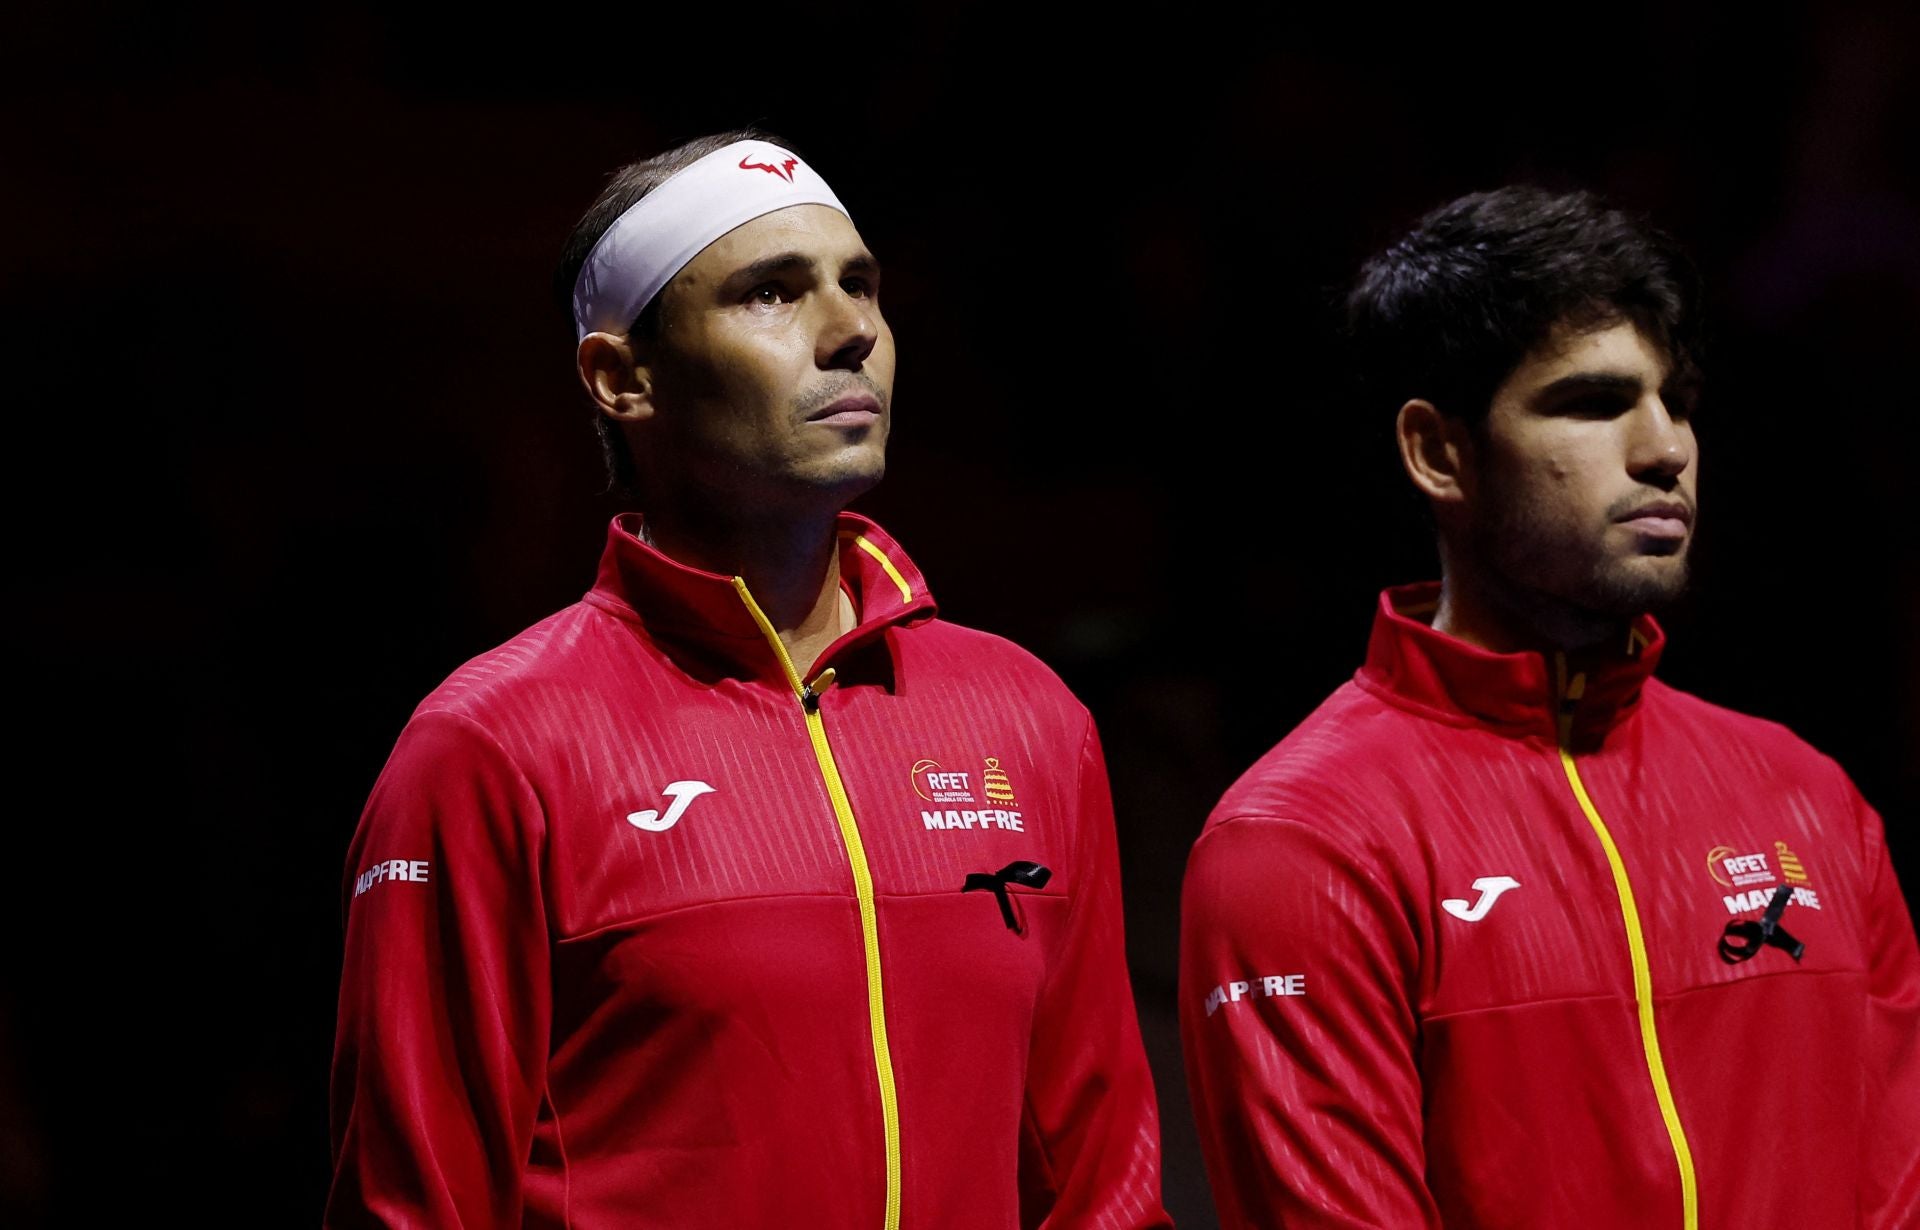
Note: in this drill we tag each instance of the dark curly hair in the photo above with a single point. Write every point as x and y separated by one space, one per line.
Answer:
1449 311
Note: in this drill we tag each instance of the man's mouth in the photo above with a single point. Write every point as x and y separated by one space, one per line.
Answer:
1659 519
856 408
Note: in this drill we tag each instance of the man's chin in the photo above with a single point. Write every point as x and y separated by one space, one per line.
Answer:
850 475
1635 587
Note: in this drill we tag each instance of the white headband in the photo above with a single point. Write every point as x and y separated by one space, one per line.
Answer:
670 226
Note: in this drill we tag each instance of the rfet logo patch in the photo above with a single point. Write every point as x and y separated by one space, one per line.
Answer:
1732 869
1753 875
937 785
966 798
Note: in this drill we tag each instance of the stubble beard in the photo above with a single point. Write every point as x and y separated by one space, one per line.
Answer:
850 477
1564 583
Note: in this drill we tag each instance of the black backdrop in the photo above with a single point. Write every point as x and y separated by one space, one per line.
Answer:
292 435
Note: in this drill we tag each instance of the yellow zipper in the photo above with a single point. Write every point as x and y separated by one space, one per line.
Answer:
1636 949
809 697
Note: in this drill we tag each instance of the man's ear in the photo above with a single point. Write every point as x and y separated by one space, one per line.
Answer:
616 376
1437 451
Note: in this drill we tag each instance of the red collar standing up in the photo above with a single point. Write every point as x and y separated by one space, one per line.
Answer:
1575 698
690 608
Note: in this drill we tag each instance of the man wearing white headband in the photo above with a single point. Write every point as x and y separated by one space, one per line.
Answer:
745 891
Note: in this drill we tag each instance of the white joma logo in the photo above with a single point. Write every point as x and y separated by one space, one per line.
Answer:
682 794
1490 889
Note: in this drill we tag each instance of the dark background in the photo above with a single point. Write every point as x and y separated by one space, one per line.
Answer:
292 434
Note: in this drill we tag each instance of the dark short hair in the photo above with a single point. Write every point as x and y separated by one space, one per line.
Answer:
1450 310
625 187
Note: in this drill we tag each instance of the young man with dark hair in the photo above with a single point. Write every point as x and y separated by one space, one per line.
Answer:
745 891
1508 932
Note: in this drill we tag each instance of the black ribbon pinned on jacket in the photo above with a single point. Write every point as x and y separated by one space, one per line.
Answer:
1766 932
1025 874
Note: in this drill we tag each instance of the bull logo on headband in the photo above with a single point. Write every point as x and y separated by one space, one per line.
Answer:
784 170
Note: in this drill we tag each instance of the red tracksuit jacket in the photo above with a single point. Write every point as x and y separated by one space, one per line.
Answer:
1452 955
647 928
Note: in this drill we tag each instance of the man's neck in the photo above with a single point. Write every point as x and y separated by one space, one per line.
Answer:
791 567
1503 619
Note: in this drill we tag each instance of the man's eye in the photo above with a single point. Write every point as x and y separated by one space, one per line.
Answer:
859 288
1594 406
767 295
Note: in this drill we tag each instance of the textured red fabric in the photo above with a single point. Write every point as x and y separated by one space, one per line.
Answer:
1428 1068
568 1019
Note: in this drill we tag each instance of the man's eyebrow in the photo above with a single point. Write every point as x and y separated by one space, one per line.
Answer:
766 268
864 265
1581 383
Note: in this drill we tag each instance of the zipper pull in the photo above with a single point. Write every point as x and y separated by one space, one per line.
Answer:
810 695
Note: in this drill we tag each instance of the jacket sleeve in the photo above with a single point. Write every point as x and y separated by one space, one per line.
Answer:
1090 1138
1892 1195
1297 1017
440 1056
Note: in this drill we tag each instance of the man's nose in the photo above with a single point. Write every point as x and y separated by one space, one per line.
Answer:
849 331
1660 445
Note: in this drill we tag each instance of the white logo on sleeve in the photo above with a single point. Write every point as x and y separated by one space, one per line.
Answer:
411 869
683 794
1270 986
1490 889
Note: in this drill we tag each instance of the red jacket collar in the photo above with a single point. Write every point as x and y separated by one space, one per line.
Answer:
704 609
1578 698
